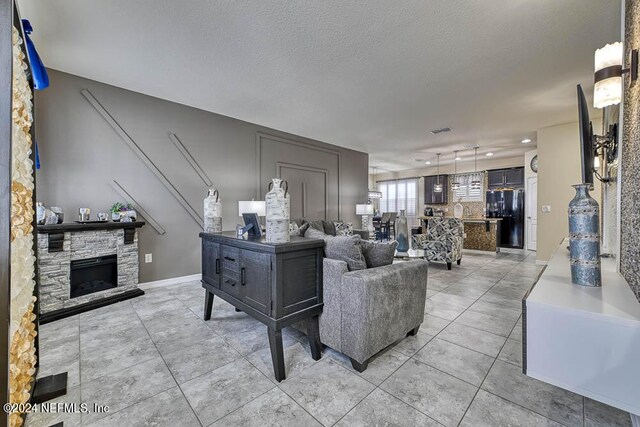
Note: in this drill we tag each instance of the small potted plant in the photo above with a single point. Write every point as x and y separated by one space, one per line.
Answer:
122 212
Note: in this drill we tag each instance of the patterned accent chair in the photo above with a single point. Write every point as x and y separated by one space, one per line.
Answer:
443 240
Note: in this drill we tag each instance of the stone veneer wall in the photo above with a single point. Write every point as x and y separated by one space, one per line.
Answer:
55 267
630 154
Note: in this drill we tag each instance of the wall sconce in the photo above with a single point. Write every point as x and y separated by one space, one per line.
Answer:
608 74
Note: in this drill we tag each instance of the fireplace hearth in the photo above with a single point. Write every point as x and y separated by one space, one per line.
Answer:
93 275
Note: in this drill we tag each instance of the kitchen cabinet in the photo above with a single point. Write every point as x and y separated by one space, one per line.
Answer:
500 178
430 196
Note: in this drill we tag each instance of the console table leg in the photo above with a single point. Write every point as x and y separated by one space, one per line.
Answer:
208 304
313 332
277 354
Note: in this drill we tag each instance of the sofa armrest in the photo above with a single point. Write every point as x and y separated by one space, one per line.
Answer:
380 305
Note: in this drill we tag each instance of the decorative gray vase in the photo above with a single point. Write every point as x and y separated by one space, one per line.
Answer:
402 231
584 238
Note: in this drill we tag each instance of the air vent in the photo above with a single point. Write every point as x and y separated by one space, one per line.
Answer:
441 130
470 146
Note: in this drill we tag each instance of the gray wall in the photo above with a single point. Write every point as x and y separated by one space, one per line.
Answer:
81 154
630 155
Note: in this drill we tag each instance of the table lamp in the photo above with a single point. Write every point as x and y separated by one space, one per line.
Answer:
365 210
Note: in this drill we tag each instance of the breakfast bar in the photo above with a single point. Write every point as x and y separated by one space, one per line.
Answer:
482 234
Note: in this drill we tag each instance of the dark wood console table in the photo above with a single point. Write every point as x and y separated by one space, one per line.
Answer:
277 284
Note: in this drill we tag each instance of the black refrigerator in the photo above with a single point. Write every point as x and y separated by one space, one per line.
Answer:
508 205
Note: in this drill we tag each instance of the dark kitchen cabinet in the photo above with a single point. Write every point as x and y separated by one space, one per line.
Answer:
501 178
514 177
277 284
430 196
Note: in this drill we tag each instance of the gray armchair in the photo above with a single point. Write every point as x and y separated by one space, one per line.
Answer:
368 310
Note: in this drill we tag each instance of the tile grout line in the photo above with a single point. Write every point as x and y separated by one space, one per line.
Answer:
167 366
494 360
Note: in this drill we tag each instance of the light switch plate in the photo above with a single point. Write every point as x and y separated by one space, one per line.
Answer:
148 258
546 208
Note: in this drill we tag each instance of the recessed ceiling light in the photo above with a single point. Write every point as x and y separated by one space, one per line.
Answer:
489 154
441 130
526 141
427 162
458 158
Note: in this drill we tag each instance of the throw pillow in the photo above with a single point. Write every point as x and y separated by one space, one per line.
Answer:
314 234
294 230
378 254
347 249
329 228
343 228
316 225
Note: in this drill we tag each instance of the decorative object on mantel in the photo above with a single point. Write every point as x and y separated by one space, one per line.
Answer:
120 211
212 212
584 238
278 211
84 214
403 232
59 214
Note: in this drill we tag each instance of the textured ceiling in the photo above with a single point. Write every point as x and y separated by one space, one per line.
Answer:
373 76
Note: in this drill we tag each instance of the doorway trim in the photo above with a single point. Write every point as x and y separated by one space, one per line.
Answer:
529 208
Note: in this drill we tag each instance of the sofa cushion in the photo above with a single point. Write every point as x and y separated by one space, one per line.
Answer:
343 228
378 254
347 249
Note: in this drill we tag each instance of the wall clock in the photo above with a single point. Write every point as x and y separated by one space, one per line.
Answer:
534 164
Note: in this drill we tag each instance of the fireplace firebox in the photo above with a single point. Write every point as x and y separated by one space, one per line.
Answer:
93 275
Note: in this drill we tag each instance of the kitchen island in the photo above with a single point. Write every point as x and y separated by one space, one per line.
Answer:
481 234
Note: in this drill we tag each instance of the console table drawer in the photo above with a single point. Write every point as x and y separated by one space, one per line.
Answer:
231 258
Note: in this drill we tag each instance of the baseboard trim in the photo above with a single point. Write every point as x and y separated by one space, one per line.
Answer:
172 281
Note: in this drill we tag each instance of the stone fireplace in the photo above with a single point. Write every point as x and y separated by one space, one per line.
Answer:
84 266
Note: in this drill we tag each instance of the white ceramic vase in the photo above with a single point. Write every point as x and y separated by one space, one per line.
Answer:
278 207
212 212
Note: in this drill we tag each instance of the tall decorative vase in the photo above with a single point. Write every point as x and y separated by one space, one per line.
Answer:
212 212
402 230
278 206
584 238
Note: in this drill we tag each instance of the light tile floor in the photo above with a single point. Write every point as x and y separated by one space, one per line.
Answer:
154 361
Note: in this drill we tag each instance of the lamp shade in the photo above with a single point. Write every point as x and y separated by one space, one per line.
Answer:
608 75
252 206
364 209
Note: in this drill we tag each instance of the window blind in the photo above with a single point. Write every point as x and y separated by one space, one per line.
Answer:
398 195
465 193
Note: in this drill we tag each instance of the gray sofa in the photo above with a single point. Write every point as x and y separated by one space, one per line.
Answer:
368 310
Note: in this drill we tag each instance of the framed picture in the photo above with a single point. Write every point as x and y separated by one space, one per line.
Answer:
252 224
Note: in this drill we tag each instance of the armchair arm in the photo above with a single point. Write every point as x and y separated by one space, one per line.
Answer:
331 318
380 305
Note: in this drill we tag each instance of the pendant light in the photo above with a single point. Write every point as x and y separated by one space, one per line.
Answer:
375 193
455 185
475 184
437 187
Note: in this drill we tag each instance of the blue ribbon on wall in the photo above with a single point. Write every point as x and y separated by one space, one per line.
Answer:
40 77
